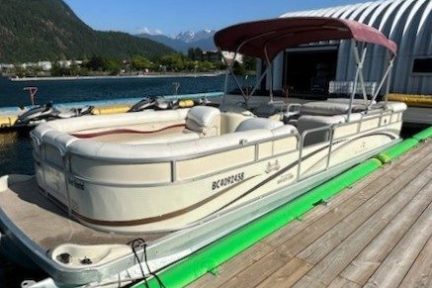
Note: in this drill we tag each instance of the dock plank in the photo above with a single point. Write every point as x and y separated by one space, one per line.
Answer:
394 268
287 275
233 267
372 256
335 262
258 271
340 282
420 274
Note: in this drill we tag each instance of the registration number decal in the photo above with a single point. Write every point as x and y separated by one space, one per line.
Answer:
227 181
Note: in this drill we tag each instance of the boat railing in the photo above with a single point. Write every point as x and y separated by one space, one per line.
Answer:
331 136
330 129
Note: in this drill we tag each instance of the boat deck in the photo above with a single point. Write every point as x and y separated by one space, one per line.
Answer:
49 226
376 234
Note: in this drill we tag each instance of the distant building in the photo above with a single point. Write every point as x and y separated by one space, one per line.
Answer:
45 65
4 66
65 63
211 56
407 22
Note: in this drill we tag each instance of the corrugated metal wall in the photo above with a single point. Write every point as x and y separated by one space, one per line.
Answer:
407 22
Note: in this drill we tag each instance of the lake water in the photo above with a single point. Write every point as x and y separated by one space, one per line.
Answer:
15 148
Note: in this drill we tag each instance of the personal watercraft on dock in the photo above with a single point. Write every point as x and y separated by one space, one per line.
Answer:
180 179
160 103
43 113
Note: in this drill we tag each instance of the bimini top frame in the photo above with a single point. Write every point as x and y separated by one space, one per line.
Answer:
266 38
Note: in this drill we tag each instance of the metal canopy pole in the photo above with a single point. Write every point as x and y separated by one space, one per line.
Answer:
355 52
385 77
230 66
388 80
259 81
270 73
227 72
360 62
230 72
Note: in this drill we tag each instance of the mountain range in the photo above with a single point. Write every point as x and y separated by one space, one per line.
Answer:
183 41
35 30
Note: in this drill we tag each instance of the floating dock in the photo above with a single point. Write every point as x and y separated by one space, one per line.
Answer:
376 233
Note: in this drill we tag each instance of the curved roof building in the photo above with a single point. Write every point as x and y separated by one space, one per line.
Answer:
407 22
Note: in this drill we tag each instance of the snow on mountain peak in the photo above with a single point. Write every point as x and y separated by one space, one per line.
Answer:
190 36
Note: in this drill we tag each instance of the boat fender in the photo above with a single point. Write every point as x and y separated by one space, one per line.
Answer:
186 103
423 135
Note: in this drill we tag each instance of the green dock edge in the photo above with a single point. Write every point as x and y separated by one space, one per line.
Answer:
209 258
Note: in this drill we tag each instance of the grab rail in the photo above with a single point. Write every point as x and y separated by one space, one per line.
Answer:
330 129
296 107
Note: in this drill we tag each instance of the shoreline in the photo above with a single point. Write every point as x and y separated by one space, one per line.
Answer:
145 76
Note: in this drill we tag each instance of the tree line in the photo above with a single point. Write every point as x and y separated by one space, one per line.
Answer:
195 61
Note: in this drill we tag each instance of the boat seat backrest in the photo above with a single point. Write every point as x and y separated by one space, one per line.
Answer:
258 123
307 122
329 108
204 120
165 139
267 110
395 106
231 120
104 122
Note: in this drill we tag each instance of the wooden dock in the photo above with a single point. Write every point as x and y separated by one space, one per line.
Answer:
375 234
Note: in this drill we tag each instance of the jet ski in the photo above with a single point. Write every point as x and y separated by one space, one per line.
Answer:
160 103
144 104
47 112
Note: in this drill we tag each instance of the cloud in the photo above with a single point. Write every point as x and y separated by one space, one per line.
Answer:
147 30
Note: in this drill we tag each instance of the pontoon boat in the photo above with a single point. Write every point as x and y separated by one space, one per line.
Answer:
183 178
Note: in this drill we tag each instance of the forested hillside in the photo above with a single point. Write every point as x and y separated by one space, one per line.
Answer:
34 30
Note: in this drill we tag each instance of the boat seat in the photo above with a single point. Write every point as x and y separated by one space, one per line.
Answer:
168 138
204 120
347 100
329 108
307 122
258 123
229 108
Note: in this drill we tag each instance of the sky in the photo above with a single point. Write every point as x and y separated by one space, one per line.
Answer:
171 17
